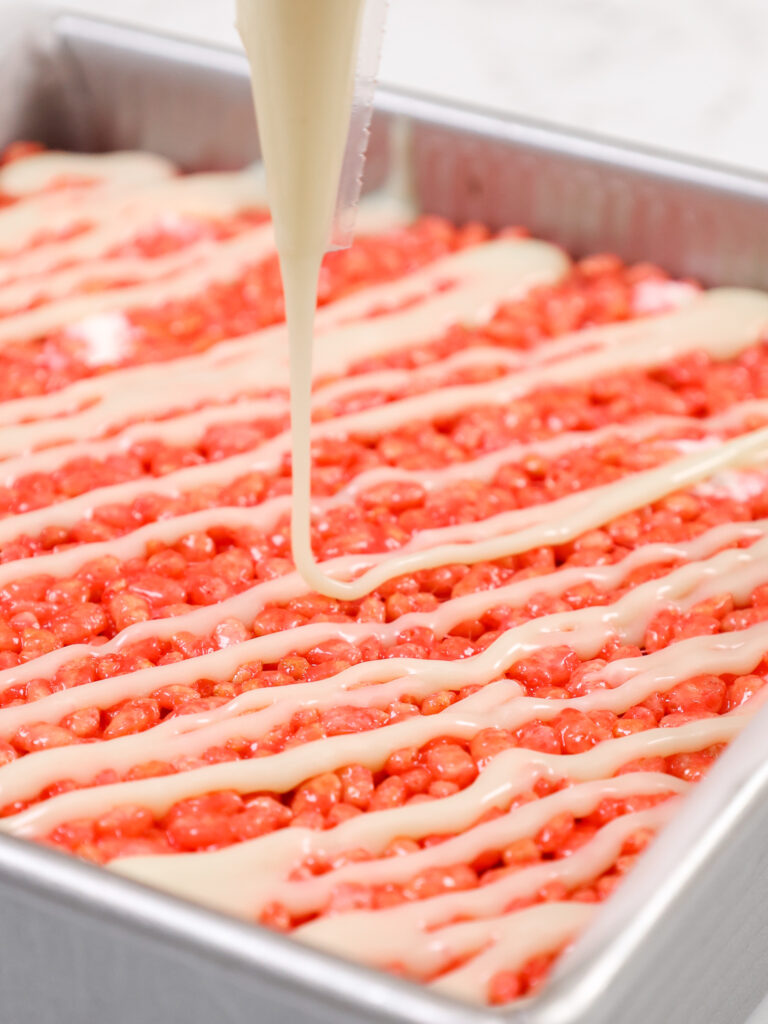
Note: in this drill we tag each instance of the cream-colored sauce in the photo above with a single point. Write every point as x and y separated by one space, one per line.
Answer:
284 771
246 876
255 712
380 937
42 170
303 57
114 216
225 262
683 472
481 276
221 665
506 943
496 537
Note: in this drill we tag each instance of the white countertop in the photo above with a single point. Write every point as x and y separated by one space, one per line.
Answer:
686 75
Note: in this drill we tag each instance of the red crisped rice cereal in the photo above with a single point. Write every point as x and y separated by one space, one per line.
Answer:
127 660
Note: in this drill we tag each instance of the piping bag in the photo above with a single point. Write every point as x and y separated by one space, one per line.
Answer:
313 71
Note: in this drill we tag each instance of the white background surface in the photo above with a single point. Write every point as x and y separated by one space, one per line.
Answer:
687 75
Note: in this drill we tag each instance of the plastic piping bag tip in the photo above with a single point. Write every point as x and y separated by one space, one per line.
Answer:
351 180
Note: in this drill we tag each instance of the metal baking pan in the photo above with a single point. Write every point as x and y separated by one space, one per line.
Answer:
686 938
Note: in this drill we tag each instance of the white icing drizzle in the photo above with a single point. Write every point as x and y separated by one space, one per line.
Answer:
221 664
244 877
128 194
515 938
267 458
41 170
225 262
483 275
123 272
253 713
282 772
383 936
116 216
181 429
185 428
712 322
466 543
245 894
401 935
553 522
